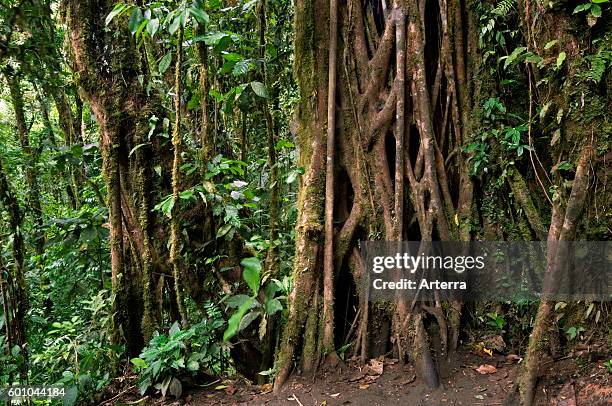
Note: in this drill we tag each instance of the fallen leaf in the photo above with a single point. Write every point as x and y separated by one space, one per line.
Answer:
230 390
374 367
486 369
266 388
356 377
335 395
364 386
513 358
371 378
479 397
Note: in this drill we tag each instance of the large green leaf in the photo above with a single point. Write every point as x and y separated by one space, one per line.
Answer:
234 322
164 63
237 300
153 26
135 20
259 89
70 398
119 8
252 273
273 306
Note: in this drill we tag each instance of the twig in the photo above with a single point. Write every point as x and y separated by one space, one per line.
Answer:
531 153
296 399
210 383
123 392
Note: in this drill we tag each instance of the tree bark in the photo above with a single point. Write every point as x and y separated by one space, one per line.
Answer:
123 110
16 284
31 156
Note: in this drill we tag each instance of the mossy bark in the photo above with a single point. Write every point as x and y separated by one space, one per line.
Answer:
33 194
383 187
15 292
123 109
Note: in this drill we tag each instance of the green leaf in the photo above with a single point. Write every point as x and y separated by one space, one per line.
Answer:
174 329
119 8
513 56
237 300
596 11
213 38
224 230
291 177
135 20
259 89
560 59
273 306
71 396
214 4
242 67
248 319
284 144
232 57
599 1
174 26
164 63
551 44
272 287
216 95
199 14
251 273
153 26
137 147
234 322
139 363
581 8
564 165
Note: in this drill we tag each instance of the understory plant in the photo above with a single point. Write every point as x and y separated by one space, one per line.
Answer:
173 358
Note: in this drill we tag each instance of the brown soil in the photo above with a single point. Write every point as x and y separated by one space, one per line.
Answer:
572 381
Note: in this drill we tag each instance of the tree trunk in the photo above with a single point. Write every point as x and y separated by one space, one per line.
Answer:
31 157
123 109
15 288
175 224
380 181
581 119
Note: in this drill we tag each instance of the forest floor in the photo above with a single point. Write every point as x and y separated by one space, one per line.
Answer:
468 379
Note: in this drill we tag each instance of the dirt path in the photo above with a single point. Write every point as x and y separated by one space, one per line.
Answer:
383 382
468 379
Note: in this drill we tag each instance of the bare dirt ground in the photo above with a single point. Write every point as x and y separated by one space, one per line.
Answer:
468 379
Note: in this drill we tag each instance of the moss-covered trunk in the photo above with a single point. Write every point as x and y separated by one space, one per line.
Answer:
14 287
395 162
108 66
30 159
575 108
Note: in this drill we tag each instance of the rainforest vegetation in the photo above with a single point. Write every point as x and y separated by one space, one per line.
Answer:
185 185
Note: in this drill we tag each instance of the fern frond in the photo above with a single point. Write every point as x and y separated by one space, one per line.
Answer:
504 7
